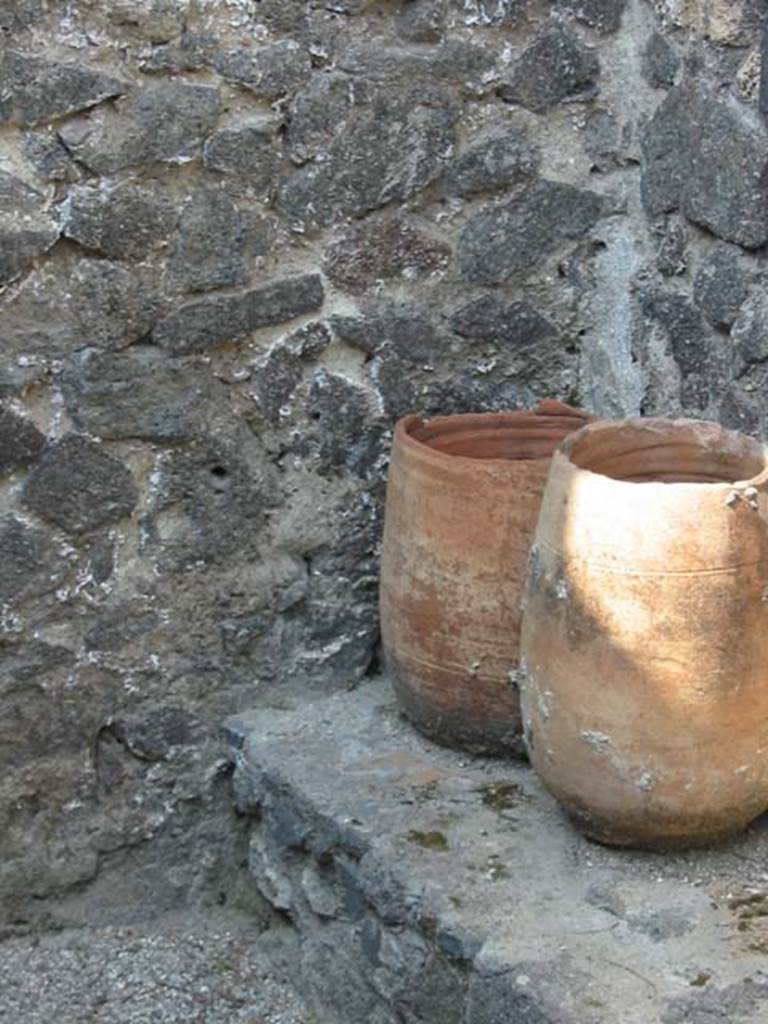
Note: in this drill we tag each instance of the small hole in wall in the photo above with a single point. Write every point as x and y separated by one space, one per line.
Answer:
219 478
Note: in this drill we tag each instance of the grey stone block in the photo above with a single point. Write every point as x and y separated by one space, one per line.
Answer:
248 151
749 333
721 285
21 443
76 485
513 238
166 122
32 565
422 21
36 90
384 249
141 393
211 248
495 160
695 134
27 228
127 223
269 72
660 62
490 321
554 68
465 65
602 15
473 909
388 154
210 322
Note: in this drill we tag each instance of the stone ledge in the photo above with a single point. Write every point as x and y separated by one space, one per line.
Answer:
427 886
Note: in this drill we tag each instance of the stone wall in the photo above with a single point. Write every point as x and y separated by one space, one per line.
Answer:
239 239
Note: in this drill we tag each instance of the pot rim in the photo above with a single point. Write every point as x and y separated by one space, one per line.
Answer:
547 409
757 482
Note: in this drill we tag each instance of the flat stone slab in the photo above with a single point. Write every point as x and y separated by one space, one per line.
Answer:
429 886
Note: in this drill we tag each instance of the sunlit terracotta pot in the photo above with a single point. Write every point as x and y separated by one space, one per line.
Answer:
644 672
462 499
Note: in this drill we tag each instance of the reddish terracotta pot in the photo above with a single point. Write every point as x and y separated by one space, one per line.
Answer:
463 496
644 673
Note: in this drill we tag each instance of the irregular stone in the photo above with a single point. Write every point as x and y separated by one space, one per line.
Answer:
278 374
471 67
128 222
42 709
110 305
740 411
491 12
606 140
721 285
32 566
125 624
660 62
210 249
373 161
193 52
495 160
50 159
28 662
167 122
496 390
206 504
694 134
156 21
21 443
141 393
72 303
343 437
282 17
217 321
749 333
554 68
318 113
684 328
78 487
38 90
602 15
492 322
383 249
27 229
153 732
512 239
421 21
401 392
269 72
19 14
247 150
401 329
743 999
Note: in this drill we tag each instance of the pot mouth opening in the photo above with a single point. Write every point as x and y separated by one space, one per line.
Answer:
504 436
668 451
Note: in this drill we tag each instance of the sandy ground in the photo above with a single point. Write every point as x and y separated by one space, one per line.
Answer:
201 970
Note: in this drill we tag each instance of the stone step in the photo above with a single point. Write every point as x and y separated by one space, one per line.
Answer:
427 886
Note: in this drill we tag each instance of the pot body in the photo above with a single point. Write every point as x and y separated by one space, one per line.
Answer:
644 672
463 496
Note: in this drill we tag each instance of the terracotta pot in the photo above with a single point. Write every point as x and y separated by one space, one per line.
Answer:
644 672
462 500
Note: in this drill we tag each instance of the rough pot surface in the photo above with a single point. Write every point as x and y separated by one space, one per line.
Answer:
462 499
644 680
